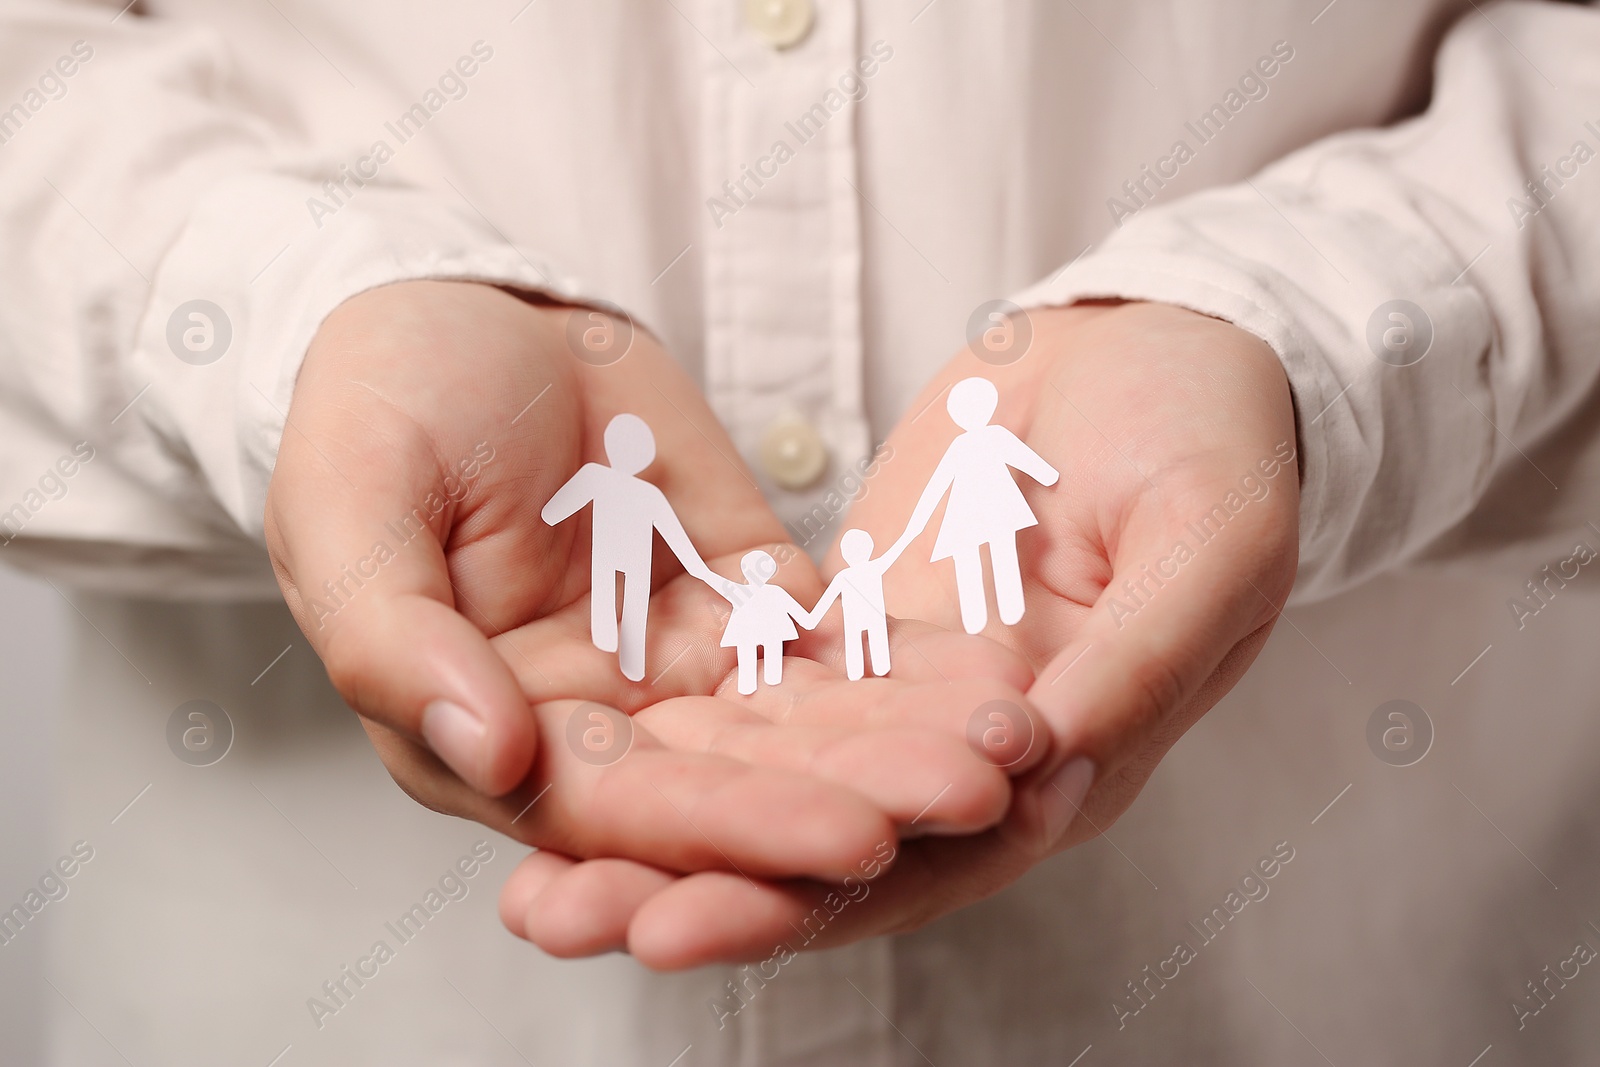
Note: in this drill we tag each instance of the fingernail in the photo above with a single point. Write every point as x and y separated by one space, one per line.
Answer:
1062 796
457 737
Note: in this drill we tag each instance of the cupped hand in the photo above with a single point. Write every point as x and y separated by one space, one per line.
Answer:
430 424
1160 562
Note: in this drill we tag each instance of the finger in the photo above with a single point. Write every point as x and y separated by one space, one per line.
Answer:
378 471
954 772
711 917
997 722
690 811
971 696
584 909
927 782
681 811
1144 663
714 918
380 615
526 881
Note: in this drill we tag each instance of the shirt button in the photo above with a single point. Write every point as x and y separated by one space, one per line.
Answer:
780 23
793 454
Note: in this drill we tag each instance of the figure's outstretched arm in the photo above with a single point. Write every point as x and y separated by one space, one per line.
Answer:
677 539
810 619
1029 462
577 492
721 586
796 612
885 561
924 510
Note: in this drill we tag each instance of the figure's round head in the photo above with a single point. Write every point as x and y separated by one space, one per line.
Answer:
758 567
630 446
856 547
972 402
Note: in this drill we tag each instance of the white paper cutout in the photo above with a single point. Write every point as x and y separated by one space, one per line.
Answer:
763 618
859 590
628 511
986 507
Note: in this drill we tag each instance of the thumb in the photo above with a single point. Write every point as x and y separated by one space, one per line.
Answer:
361 562
1156 652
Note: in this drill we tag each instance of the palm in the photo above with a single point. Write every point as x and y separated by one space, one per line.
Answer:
1146 442
445 375
900 743
430 423
1152 416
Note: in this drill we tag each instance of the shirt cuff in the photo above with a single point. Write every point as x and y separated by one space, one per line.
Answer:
252 263
1251 301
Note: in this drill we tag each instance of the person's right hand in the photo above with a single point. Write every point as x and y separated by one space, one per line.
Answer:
430 424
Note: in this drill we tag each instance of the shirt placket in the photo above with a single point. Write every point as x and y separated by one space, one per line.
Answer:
781 230
781 234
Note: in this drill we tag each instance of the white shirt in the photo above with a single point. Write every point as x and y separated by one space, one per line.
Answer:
275 159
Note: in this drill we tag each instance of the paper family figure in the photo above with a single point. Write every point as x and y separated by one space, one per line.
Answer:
628 511
985 508
763 618
859 590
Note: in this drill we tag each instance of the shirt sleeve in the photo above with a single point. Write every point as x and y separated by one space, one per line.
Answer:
164 271
1431 288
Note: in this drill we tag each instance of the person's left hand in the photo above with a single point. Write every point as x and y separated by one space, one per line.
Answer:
1155 417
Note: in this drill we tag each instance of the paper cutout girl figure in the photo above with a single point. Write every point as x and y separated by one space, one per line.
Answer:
762 620
985 507
859 590
627 513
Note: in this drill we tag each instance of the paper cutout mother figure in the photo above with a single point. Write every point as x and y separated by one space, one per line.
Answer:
985 508
762 620
859 590
627 512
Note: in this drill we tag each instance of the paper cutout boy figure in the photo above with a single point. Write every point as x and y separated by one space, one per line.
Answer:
985 508
627 513
762 619
859 590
